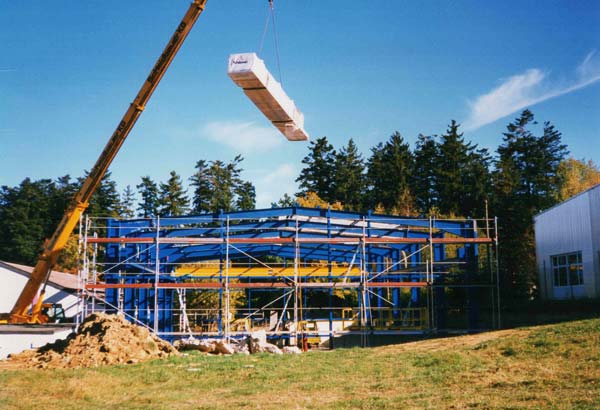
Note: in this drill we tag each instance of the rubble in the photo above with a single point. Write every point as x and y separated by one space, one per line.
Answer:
256 342
291 350
102 339
224 347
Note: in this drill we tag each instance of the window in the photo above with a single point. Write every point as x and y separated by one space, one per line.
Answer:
567 269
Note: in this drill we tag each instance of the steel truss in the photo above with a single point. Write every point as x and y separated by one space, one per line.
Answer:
301 273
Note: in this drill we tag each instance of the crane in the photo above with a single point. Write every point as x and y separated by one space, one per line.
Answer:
20 313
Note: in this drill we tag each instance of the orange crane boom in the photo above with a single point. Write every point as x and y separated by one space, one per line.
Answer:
79 203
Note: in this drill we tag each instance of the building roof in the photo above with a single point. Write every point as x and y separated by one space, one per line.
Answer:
566 200
63 280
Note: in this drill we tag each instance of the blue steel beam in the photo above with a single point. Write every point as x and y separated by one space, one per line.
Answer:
262 216
267 228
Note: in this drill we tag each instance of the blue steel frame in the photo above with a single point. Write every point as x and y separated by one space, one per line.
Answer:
135 263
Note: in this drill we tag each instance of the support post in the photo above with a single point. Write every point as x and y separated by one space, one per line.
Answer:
497 271
430 280
329 279
297 295
156 274
227 300
363 287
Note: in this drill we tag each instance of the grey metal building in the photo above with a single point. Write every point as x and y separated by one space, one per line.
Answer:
567 238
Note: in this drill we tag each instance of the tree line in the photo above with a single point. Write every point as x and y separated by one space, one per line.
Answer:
446 176
442 175
30 211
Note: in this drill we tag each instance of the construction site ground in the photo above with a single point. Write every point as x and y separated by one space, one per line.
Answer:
551 366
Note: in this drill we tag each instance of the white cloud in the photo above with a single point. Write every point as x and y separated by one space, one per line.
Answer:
244 137
527 89
272 184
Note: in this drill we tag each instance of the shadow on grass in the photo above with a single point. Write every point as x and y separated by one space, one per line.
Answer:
514 314
536 312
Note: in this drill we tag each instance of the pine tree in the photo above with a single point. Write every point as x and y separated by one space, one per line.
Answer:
452 158
149 205
127 203
285 201
461 175
388 176
25 220
245 196
219 187
349 177
172 199
105 200
424 179
201 183
477 179
223 185
65 189
318 174
525 182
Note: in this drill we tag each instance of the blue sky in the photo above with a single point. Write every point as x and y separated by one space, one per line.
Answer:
69 69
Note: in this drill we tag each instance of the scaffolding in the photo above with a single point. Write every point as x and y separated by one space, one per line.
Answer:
303 275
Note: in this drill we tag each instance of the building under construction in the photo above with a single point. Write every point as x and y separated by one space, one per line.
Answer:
308 274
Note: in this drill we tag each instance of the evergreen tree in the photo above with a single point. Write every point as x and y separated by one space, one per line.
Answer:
349 177
245 196
222 186
424 179
318 174
201 183
65 189
477 179
525 182
285 201
29 214
149 205
461 175
450 167
105 200
219 186
25 220
388 176
173 200
127 203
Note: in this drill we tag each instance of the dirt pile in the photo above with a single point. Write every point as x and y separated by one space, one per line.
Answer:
102 339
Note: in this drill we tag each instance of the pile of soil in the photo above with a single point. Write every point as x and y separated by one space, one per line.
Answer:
102 339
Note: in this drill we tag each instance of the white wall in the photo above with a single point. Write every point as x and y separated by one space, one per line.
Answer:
17 341
563 229
594 197
11 284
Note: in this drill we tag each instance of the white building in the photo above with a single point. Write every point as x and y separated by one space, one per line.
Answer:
61 288
567 238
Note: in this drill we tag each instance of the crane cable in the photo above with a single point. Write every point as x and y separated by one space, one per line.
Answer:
271 17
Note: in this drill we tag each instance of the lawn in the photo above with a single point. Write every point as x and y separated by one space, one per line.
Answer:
553 366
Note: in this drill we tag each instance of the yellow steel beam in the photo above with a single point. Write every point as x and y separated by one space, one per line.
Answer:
237 272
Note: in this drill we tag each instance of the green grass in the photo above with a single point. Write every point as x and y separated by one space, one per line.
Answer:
548 367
